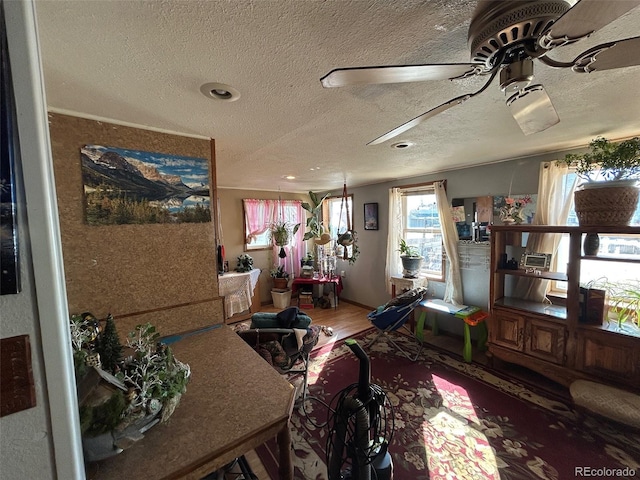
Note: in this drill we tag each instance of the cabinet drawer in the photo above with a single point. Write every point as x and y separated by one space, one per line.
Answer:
607 355
545 340
507 329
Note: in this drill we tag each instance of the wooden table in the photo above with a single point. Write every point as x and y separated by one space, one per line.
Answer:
335 282
234 402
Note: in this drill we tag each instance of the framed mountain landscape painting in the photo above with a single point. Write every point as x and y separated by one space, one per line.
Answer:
123 186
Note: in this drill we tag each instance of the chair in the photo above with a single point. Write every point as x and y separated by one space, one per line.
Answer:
285 340
393 316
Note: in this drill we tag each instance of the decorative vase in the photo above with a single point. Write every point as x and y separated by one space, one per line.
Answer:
591 244
606 203
508 221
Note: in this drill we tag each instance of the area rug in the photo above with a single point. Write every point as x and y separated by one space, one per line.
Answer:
456 420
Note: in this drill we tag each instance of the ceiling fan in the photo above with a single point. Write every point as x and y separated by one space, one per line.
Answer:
505 37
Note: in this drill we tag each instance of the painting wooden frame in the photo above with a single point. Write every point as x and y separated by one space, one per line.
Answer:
371 216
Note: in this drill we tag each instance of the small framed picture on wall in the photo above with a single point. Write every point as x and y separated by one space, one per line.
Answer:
371 216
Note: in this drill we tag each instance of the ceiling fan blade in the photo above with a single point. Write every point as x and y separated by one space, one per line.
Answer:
532 109
341 77
619 54
584 18
419 119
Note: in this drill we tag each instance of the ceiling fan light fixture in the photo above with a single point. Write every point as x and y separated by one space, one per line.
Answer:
220 91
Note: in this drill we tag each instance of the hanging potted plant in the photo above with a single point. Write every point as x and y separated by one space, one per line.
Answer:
281 234
315 229
411 259
610 172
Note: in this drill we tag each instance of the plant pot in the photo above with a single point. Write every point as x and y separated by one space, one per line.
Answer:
345 239
411 266
606 203
281 300
280 283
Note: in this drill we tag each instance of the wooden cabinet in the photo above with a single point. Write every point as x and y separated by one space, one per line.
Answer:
550 339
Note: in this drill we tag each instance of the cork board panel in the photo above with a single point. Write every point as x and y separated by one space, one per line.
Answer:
181 318
127 269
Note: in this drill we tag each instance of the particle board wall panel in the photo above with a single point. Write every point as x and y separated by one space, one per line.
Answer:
128 269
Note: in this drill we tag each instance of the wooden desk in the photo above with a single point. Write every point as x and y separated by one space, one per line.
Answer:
234 402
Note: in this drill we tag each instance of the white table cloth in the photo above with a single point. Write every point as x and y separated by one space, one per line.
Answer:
237 290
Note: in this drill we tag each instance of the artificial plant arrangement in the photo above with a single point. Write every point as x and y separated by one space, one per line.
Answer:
607 161
244 263
315 229
122 392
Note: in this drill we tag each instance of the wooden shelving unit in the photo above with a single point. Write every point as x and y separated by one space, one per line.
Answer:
550 339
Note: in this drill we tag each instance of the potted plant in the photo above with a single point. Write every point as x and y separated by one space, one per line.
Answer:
411 259
315 229
610 172
280 277
281 232
280 293
244 263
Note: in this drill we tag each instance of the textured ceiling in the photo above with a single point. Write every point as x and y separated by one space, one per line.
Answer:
143 62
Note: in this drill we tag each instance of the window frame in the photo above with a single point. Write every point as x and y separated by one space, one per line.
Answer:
327 207
424 189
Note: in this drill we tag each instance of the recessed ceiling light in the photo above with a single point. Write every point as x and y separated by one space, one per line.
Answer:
290 177
401 145
220 91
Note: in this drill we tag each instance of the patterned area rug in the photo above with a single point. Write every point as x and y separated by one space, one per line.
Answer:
455 420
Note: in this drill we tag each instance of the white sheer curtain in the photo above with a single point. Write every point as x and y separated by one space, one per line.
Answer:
453 286
393 265
552 209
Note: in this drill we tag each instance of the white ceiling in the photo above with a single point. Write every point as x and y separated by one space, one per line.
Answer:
143 62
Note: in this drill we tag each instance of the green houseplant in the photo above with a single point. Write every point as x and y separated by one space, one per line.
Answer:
610 171
411 259
315 229
280 277
281 232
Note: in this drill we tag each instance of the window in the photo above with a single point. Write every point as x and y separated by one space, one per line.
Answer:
610 245
334 214
259 215
421 228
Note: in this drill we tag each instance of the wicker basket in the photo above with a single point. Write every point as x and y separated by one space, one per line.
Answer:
606 206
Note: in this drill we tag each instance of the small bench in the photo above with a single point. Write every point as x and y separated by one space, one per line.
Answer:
610 402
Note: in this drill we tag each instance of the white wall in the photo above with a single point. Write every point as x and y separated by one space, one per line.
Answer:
41 442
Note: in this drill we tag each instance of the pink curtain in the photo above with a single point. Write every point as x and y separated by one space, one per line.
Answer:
292 212
258 215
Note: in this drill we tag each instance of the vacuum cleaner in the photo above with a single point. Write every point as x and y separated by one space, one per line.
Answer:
360 428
